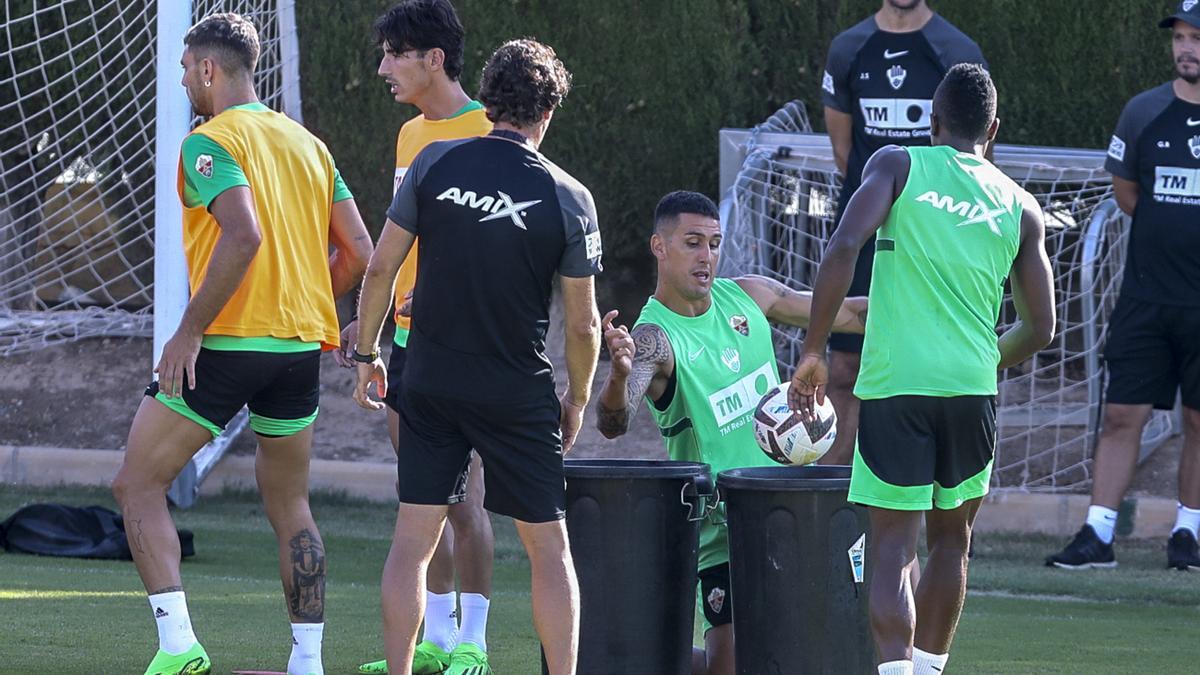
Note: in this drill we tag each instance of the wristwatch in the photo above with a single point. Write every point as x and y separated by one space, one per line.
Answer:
364 358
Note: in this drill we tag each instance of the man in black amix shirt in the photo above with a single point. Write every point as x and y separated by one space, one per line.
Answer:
496 222
878 90
1153 349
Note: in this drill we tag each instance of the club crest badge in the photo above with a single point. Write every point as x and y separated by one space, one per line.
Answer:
1194 142
716 599
740 324
204 165
732 359
896 76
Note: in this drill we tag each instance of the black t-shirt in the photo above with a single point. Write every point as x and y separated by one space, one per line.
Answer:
495 221
1157 145
885 82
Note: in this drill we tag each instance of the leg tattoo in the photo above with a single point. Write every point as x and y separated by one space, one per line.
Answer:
306 596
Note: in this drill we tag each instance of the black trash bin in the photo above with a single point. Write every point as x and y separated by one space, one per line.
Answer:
634 527
797 570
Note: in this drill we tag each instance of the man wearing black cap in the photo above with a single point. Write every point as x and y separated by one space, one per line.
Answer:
1153 349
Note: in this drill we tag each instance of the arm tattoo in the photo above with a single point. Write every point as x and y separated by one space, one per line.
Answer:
779 289
612 422
306 587
651 348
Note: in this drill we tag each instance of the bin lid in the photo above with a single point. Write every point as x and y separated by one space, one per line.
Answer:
827 477
632 468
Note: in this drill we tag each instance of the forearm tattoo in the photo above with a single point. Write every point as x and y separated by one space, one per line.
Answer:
651 348
306 587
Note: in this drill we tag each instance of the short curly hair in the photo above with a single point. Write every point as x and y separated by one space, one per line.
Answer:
232 38
522 81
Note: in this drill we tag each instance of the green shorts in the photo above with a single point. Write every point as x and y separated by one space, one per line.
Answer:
916 453
279 380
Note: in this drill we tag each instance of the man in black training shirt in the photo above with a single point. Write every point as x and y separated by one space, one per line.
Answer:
878 90
1153 348
496 222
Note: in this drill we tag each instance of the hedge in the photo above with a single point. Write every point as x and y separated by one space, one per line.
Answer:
655 80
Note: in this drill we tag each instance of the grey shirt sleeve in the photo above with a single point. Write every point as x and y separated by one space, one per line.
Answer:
1122 157
403 210
835 82
951 44
583 250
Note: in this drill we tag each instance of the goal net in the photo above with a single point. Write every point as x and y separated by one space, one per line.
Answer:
77 158
779 198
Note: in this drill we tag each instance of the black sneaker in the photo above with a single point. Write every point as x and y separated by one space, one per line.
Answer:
1182 551
1085 551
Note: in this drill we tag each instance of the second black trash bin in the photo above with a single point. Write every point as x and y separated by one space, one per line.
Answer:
634 527
797 554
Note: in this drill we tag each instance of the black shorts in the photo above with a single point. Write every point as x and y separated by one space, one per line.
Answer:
716 596
282 390
918 452
860 285
395 373
1152 352
519 443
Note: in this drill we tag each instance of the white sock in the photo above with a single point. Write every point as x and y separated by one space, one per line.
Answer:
896 668
170 610
1187 519
474 619
306 649
925 663
1103 520
441 619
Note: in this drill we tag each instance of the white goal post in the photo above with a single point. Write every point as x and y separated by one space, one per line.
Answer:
779 189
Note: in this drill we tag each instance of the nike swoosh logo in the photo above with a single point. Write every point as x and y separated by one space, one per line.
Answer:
1193 123
692 356
890 55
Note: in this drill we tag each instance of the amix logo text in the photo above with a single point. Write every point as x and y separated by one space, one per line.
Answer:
501 206
973 214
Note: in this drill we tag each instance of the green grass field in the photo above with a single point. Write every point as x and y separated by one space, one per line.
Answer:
77 616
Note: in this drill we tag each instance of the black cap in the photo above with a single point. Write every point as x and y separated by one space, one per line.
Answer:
1189 12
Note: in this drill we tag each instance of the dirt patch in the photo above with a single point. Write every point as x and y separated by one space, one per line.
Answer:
84 394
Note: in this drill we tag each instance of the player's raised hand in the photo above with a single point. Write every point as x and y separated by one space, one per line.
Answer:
375 372
349 338
178 359
808 384
620 345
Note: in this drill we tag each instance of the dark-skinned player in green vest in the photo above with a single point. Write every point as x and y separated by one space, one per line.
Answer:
951 228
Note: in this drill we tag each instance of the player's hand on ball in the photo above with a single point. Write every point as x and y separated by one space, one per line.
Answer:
178 358
808 384
620 345
570 421
341 355
374 372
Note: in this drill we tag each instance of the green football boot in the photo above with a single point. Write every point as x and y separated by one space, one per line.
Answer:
467 659
428 659
192 662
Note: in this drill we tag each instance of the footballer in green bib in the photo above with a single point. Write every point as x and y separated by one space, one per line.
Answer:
702 356
950 228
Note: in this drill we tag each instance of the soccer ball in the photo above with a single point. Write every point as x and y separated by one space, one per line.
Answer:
785 437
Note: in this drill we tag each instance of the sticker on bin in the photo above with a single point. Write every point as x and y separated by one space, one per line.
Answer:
857 554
